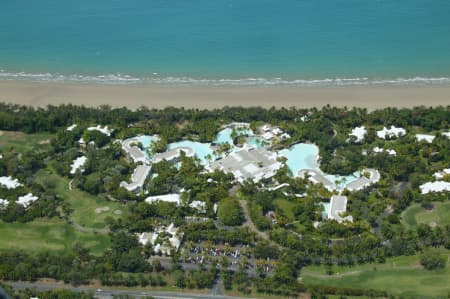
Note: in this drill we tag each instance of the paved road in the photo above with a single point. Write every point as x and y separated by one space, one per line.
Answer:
108 293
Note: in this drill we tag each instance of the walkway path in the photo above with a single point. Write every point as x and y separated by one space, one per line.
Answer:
249 223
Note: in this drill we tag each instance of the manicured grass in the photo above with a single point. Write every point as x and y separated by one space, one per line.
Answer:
416 215
48 234
398 276
88 210
21 141
286 207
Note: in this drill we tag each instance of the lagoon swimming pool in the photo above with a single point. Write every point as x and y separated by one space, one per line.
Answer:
202 150
224 136
305 156
147 140
301 156
326 209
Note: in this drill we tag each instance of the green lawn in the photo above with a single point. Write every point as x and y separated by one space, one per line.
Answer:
398 276
286 208
48 234
415 215
21 141
88 210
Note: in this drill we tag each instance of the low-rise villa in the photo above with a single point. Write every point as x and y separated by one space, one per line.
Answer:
71 128
103 130
425 137
435 187
163 245
26 200
441 174
391 132
338 206
359 133
172 198
317 177
78 164
138 177
3 203
363 181
9 183
173 154
390 152
133 151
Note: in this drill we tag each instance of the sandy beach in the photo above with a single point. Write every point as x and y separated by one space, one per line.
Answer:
40 94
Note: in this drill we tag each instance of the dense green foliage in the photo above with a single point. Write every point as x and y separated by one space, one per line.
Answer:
288 231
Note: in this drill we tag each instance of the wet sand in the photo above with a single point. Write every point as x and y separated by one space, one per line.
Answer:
40 94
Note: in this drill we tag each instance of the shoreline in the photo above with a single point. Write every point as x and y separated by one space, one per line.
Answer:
41 94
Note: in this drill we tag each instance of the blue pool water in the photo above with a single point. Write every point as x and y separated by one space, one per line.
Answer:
224 136
202 150
237 42
147 140
301 156
304 156
326 209
257 142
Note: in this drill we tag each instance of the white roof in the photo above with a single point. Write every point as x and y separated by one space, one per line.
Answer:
26 200
151 237
338 206
71 127
285 136
391 132
435 187
447 134
380 150
175 198
359 133
3 203
77 164
277 131
138 177
268 135
103 130
442 174
9 183
198 205
425 137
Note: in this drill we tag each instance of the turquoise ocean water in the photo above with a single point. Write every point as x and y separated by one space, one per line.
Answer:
227 42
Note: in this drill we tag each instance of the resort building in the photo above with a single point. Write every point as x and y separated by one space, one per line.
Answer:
425 137
9 183
338 206
162 244
391 132
363 181
390 152
317 177
26 200
3 203
435 187
133 151
441 174
173 198
103 130
137 178
198 205
71 127
249 163
173 154
78 164
359 133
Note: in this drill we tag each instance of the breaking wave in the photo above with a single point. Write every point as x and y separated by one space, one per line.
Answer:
162 80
